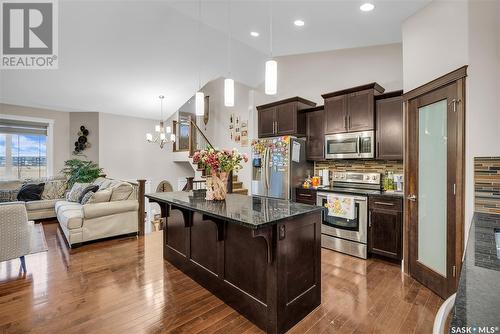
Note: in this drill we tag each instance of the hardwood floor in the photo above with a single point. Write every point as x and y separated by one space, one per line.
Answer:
124 286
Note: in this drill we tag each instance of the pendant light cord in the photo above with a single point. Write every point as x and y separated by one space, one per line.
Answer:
199 44
229 37
271 28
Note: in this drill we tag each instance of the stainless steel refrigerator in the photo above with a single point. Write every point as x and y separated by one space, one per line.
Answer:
278 166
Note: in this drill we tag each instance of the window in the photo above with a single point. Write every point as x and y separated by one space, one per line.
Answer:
23 150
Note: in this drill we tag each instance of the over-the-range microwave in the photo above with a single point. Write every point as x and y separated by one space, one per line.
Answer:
353 145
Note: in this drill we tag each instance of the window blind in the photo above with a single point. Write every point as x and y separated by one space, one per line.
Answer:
10 126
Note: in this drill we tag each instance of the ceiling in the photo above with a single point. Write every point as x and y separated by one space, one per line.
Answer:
118 56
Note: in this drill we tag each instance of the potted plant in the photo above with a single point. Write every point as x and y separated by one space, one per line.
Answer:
218 165
80 171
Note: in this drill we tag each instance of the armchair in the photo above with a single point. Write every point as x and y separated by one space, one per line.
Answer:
15 232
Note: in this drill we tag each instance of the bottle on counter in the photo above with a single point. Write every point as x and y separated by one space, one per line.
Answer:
307 182
389 181
315 181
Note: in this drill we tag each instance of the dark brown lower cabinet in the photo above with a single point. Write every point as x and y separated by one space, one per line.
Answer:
305 196
385 226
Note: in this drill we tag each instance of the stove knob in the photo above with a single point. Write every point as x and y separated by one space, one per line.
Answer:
374 177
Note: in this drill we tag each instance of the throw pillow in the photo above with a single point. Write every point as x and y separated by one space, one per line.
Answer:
87 197
30 192
90 188
5 195
54 189
76 191
99 181
100 196
121 191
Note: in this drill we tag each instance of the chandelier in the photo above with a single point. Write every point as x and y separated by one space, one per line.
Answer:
162 132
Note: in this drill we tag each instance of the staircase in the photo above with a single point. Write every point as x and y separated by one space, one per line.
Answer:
238 186
198 141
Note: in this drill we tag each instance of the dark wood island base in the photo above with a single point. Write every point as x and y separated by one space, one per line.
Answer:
261 256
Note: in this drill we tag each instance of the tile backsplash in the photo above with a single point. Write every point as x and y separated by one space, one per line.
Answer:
373 166
487 185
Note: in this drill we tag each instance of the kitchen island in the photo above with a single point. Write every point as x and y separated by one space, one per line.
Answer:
261 256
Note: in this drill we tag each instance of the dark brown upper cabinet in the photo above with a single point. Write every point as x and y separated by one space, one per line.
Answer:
315 133
389 124
352 109
282 118
335 114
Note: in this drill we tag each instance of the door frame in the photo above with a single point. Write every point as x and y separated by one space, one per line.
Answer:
459 77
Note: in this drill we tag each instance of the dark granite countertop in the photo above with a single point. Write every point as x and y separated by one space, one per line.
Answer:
250 211
477 303
366 192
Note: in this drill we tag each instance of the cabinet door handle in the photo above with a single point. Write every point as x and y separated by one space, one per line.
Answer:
384 203
345 122
349 122
370 219
306 195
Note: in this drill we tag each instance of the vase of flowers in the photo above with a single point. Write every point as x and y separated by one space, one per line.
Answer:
218 165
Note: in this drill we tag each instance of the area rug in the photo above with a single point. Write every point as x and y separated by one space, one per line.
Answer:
38 242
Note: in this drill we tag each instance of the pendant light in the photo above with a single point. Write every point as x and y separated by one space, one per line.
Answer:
271 78
199 97
228 82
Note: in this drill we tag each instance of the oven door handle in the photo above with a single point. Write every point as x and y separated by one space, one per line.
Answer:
325 196
359 145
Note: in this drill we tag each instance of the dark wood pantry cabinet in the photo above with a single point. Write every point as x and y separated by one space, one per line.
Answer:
351 110
389 125
385 226
315 133
285 117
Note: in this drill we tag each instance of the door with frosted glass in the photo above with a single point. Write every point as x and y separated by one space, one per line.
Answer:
432 183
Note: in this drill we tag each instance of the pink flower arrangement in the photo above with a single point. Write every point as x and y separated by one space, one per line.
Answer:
216 161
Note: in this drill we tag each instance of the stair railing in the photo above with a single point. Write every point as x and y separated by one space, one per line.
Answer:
197 139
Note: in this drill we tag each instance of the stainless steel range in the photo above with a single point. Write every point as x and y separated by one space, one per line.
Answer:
348 235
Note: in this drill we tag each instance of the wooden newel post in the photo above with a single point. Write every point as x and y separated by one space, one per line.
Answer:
142 207
230 183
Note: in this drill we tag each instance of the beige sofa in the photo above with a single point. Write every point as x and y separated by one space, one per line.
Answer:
118 216
42 209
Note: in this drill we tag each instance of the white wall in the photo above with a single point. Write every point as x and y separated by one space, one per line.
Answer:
90 120
483 83
444 36
434 42
61 134
125 154
312 74
217 128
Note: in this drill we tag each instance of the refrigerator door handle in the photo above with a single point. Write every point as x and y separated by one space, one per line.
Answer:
267 169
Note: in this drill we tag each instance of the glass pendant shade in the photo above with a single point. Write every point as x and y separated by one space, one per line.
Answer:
169 129
157 128
229 92
200 103
172 137
271 83
149 137
162 136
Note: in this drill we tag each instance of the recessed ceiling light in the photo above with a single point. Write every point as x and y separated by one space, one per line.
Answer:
366 7
299 23
254 34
